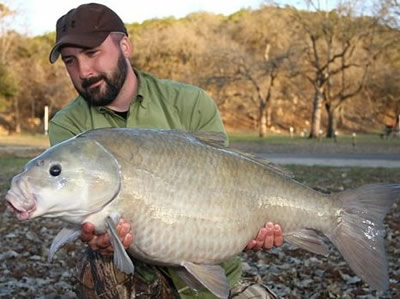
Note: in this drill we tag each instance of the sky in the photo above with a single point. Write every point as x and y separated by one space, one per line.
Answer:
35 17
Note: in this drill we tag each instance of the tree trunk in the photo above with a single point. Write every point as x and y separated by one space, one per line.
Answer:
269 116
17 127
263 126
332 120
316 114
262 119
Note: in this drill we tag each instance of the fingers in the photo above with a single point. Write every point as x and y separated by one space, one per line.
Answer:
124 233
258 243
261 238
87 232
278 235
101 243
269 236
251 245
127 240
123 228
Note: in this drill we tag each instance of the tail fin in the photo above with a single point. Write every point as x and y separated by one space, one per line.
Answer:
360 231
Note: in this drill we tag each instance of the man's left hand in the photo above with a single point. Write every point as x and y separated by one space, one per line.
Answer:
268 236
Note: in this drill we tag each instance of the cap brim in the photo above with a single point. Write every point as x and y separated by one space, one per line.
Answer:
91 40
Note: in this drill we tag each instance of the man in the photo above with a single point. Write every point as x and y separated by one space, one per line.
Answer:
94 46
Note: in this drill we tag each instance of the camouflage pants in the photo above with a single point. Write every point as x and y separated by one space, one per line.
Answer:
98 278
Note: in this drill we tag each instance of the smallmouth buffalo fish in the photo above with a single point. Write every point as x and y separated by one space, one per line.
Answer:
208 200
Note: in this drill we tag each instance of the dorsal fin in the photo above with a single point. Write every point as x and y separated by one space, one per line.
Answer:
217 139
266 163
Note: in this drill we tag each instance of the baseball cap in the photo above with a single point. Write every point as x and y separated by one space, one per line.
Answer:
86 26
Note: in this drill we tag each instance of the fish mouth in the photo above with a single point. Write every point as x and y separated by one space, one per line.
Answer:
21 213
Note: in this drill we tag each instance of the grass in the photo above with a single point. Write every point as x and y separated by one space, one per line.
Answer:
285 139
340 178
39 140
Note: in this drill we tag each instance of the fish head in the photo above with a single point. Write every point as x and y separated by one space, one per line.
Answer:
70 181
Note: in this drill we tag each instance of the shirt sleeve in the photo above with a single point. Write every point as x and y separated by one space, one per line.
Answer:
198 112
205 116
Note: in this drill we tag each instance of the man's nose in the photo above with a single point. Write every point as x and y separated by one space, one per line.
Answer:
85 69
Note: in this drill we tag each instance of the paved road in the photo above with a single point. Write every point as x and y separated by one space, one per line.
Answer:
339 160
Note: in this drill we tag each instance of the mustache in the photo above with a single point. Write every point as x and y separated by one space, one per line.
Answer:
89 81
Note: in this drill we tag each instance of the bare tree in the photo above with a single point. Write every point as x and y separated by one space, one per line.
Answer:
9 88
5 37
250 62
338 51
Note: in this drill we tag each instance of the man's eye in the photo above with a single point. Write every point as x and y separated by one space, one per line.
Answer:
68 61
91 53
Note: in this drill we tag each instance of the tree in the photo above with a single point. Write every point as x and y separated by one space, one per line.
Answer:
251 60
384 87
8 87
337 49
41 83
5 37
174 48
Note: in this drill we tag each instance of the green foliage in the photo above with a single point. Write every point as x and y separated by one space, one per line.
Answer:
239 15
8 87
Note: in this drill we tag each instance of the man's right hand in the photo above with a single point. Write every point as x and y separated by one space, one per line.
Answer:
101 243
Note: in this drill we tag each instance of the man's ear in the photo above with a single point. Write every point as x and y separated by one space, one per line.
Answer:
126 46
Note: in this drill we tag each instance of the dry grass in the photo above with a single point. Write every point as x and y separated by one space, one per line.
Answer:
41 141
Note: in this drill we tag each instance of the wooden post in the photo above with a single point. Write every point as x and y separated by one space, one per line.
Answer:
46 120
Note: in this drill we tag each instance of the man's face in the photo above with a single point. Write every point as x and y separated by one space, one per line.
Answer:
98 74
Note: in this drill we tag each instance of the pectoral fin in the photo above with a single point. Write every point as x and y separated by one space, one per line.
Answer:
121 259
211 277
63 237
308 240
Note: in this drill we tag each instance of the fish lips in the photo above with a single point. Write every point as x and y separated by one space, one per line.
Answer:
16 206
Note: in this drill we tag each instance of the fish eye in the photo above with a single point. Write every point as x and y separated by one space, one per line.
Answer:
55 170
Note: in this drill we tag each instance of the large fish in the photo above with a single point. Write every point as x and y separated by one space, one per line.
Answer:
207 200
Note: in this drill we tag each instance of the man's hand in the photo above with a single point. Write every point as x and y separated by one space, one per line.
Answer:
268 237
101 243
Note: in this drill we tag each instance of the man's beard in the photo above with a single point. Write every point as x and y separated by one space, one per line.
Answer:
113 84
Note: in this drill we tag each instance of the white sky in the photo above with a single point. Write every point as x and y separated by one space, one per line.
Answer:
36 17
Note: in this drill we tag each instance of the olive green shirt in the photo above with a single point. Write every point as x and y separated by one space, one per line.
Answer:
159 104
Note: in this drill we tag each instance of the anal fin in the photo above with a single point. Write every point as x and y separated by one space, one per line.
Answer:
308 240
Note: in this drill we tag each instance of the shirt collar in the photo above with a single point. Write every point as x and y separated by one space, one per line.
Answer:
141 89
140 96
